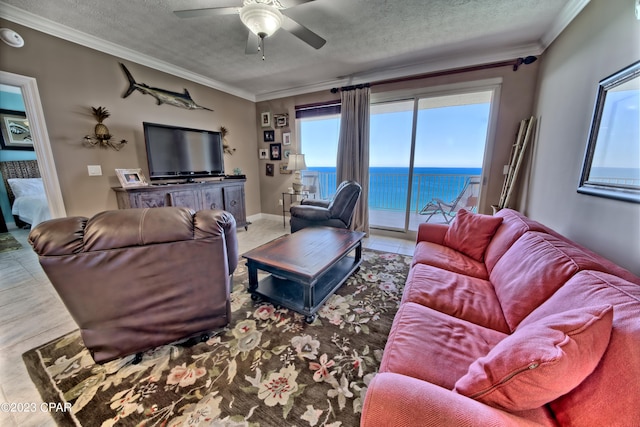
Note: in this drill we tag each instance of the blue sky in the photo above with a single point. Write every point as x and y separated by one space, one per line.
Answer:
446 137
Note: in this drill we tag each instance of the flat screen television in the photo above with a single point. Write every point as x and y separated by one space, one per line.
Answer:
178 152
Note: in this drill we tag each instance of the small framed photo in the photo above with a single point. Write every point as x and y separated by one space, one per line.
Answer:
269 135
265 120
263 153
275 151
286 138
269 169
284 170
282 120
286 154
131 178
16 134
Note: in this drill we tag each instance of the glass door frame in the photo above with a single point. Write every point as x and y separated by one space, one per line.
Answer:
493 85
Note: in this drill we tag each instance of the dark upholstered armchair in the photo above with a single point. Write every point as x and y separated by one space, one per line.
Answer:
135 279
336 212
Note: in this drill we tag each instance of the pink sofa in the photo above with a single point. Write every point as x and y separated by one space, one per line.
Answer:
505 322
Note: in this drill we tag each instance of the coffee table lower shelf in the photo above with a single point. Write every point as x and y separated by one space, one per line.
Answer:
300 296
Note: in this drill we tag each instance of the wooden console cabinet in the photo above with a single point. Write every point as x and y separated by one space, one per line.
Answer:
227 195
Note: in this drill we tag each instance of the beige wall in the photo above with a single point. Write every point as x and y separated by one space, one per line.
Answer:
72 78
603 39
272 187
516 103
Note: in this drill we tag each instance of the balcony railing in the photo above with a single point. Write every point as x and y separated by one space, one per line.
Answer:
388 191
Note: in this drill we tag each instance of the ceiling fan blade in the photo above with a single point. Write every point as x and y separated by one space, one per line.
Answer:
291 3
253 44
302 32
211 11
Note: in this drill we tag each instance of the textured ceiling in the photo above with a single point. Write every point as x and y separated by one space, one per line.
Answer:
367 40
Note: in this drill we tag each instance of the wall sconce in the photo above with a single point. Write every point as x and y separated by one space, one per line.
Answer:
101 136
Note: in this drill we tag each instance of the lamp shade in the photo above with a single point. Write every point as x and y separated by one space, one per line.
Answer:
296 162
261 19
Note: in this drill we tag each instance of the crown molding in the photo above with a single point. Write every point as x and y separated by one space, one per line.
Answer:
437 64
562 21
55 29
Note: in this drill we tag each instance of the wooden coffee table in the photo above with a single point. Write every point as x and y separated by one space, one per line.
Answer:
306 267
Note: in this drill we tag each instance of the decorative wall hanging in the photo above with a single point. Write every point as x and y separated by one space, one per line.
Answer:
269 135
269 169
275 151
101 137
286 138
263 153
225 145
282 120
265 119
182 100
16 134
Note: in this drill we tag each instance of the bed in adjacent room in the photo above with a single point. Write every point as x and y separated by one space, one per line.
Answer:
26 193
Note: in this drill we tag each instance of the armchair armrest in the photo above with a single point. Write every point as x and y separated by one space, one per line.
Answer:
311 213
433 233
314 202
398 400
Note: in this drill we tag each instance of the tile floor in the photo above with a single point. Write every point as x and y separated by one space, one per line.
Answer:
31 313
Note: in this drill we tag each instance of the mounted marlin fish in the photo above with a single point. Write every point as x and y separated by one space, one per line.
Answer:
182 100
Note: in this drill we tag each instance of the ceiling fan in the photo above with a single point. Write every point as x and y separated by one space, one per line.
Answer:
263 18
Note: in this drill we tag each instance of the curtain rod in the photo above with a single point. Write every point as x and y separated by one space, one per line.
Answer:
515 63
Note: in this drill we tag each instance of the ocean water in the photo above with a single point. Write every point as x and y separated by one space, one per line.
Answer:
388 186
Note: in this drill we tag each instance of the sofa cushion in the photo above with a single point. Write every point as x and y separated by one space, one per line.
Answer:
605 396
470 233
434 347
541 361
448 259
513 226
465 297
532 270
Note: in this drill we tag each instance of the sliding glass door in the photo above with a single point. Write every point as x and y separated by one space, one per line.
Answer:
426 153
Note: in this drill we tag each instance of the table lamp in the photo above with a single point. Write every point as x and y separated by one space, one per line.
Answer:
296 164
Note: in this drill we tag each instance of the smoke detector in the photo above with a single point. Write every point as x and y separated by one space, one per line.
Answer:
11 38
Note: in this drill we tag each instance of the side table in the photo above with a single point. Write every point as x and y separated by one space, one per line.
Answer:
291 200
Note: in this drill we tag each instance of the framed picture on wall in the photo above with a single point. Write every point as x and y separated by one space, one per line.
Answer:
269 135
275 151
269 169
16 134
282 120
263 153
286 138
265 119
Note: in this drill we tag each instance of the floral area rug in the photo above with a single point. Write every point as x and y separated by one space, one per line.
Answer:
267 368
8 243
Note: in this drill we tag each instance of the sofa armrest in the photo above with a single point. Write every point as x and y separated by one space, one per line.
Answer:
398 400
433 233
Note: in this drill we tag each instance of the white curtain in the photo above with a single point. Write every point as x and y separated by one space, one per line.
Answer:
353 148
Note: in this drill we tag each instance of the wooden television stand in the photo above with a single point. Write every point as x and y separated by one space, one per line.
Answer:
227 194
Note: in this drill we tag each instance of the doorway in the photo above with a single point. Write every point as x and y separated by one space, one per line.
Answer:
42 146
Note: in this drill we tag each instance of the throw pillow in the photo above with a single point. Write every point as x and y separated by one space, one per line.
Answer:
471 233
540 361
24 187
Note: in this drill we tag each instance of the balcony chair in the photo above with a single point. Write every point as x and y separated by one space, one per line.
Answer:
135 279
336 212
467 199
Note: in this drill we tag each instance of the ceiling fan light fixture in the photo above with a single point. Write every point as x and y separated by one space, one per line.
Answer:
261 19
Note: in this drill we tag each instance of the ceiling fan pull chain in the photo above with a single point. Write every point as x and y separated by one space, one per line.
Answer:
262 47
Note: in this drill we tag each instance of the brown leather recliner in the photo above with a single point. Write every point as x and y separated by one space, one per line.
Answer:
135 279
